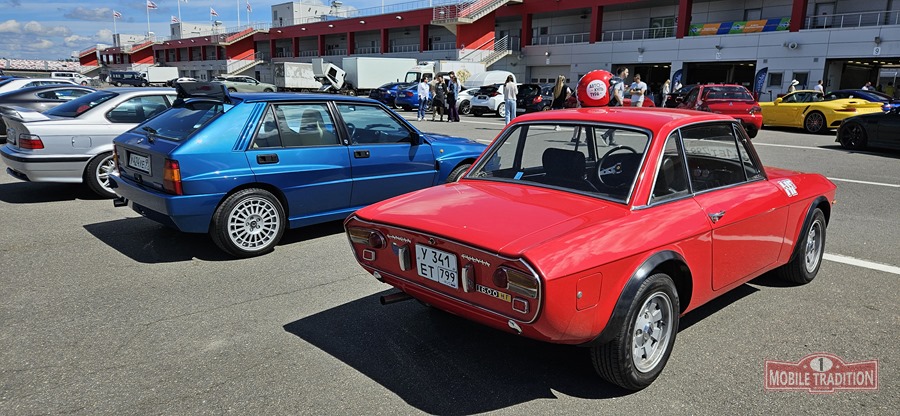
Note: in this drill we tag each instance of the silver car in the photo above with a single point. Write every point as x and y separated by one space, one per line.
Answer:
238 83
72 143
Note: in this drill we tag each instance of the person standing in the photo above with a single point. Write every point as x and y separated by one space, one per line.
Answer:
452 94
638 90
820 88
664 93
890 90
793 86
617 86
423 91
440 99
561 92
868 86
510 90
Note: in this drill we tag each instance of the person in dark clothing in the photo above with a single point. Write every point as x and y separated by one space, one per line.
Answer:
452 93
561 92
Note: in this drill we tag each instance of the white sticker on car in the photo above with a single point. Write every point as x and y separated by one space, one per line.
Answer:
788 186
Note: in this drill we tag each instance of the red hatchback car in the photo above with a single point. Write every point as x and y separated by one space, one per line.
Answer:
599 233
732 100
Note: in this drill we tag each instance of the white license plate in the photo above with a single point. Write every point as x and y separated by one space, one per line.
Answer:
437 265
139 162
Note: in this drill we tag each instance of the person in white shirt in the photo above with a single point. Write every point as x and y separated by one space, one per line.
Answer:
820 88
423 90
868 86
638 90
510 90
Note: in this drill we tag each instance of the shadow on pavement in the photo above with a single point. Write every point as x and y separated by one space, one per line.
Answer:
39 192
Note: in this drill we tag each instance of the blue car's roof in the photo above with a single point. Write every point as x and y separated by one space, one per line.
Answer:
291 96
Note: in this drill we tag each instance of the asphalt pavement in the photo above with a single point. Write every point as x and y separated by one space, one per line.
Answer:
105 312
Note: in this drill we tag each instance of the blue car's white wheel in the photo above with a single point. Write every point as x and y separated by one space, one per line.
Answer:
248 223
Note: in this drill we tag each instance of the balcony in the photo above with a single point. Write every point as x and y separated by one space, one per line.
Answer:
850 20
404 48
336 52
639 34
562 38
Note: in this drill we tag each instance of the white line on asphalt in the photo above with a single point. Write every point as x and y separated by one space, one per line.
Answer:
891 185
790 145
862 263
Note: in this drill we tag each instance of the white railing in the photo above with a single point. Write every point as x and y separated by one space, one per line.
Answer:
367 49
335 52
368 11
309 53
561 39
239 65
443 46
405 48
847 20
639 34
466 54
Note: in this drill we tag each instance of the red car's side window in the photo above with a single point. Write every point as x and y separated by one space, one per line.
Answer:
671 176
713 156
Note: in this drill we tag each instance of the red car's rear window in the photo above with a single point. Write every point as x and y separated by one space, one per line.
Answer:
727 93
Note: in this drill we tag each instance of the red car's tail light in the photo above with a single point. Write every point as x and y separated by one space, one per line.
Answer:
172 177
30 141
468 278
367 237
755 109
516 281
501 280
537 99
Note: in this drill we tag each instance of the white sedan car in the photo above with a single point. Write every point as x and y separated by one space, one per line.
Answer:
72 143
489 100
16 83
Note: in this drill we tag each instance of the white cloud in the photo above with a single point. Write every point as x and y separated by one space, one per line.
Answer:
99 14
41 44
39 29
76 41
10 26
104 36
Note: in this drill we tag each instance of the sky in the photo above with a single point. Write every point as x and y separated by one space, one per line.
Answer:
52 30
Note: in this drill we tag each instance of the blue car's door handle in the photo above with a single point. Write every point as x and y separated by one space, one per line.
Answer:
361 154
267 159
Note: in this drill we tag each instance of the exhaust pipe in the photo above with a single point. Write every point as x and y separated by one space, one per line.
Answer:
394 298
120 202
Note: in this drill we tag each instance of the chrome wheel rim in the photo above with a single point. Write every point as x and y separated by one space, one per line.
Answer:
814 122
253 224
813 246
651 331
106 166
501 110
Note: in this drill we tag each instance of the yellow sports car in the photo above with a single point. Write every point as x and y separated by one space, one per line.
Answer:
809 110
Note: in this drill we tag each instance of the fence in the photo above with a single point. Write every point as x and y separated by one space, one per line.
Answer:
848 20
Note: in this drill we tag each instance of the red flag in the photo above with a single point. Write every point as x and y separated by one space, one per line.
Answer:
212 12
117 15
151 5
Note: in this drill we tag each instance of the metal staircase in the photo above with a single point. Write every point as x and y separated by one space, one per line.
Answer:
489 52
466 12
240 65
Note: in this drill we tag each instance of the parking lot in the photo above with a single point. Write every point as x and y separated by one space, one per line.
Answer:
105 312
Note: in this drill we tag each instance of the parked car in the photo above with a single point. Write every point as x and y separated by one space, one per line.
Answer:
601 233
245 167
173 81
73 142
880 130
489 100
387 93
677 96
534 97
17 83
38 99
732 100
464 100
887 102
408 98
75 77
244 84
808 109
128 78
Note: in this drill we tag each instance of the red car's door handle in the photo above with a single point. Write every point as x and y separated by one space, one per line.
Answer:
715 217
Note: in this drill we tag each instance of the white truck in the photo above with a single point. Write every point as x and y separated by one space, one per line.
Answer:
159 75
296 76
463 69
359 75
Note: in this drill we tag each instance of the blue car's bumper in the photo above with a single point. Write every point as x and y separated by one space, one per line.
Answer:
187 213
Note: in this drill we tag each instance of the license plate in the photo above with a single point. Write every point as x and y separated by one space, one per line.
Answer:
437 265
139 162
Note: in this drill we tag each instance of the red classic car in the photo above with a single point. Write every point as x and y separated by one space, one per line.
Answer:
599 227
732 100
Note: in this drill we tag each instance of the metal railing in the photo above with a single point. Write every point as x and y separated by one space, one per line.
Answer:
847 20
561 39
335 52
240 64
442 46
405 48
639 34
367 49
368 11
309 53
467 53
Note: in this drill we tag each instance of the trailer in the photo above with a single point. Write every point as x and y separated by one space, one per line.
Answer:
463 69
296 76
360 75
159 75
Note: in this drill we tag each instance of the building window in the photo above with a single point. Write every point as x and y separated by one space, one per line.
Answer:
662 27
776 79
752 14
803 79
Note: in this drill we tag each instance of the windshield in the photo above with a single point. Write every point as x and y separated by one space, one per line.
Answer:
412 77
597 160
81 104
180 122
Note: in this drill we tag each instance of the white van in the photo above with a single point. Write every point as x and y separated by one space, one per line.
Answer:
487 78
71 76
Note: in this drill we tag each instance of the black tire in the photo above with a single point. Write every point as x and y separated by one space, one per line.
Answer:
807 256
815 123
465 107
501 110
96 175
248 223
457 172
853 136
545 108
230 89
615 360
117 84
268 90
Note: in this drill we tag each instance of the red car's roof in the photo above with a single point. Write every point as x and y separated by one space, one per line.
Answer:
653 118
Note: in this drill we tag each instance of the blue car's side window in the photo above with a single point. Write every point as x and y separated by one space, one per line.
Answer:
267 136
369 124
301 125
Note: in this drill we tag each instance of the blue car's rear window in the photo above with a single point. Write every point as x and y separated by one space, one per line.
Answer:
178 123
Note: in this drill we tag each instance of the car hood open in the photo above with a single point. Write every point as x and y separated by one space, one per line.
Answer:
501 218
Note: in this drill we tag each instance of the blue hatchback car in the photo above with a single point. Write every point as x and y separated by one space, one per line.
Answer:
245 167
408 98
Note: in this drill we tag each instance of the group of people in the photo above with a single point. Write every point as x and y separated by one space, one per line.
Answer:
442 95
637 89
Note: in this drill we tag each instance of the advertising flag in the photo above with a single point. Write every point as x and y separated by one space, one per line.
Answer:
212 12
151 5
117 15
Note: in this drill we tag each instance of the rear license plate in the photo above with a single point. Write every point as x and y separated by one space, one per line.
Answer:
437 265
139 162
